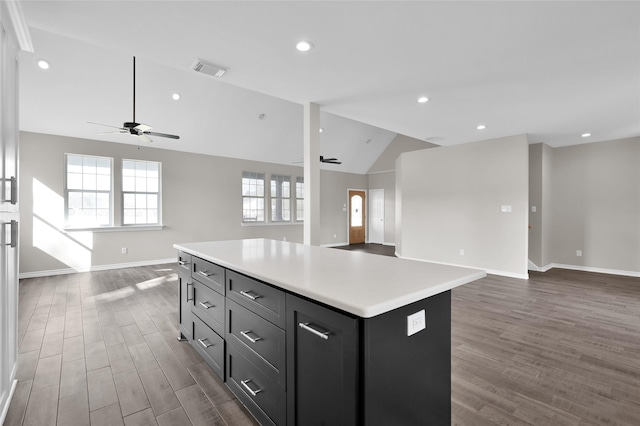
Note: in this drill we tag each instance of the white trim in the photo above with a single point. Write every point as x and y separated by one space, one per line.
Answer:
488 271
19 25
386 243
533 267
384 171
7 403
334 245
95 268
119 228
281 223
592 269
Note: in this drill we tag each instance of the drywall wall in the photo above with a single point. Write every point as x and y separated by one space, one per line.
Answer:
451 199
200 194
547 205
386 181
595 196
535 202
401 143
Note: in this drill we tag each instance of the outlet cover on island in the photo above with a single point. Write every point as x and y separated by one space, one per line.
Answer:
416 322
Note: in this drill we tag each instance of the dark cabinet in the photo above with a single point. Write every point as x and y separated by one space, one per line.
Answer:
322 365
186 297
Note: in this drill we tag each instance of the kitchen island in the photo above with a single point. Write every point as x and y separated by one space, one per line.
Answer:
308 335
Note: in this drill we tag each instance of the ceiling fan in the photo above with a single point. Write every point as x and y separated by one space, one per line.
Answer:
323 160
142 131
329 160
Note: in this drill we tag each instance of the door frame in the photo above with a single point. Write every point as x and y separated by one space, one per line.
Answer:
366 221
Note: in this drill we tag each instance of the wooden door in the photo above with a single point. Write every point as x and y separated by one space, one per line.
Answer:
357 216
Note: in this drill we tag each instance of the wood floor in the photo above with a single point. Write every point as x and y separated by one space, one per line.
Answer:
562 348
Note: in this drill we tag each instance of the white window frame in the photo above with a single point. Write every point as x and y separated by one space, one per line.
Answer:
82 190
299 180
279 198
138 194
246 195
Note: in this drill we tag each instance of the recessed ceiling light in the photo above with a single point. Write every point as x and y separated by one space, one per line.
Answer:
481 127
176 96
262 116
321 130
44 64
423 99
585 135
304 46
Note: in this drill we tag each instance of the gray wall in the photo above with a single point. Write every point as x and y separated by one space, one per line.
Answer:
451 199
595 197
201 201
401 143
535 199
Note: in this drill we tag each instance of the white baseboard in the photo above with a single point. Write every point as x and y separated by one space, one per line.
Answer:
389 244
591 269
533 267
7 403
65 271
488 271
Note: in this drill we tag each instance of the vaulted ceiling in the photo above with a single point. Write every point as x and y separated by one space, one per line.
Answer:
554 70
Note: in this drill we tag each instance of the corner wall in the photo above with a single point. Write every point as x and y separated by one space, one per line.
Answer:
451 199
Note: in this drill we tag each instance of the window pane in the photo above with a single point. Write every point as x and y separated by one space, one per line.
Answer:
74 164
152 185
103 182
103 217
141 201
103 200
103 166
253 197
152 201
74 181
152 215
128 168
89 165
153 170
299 210
128 183
356 210
89 181
141 169
129 201
129 217
89 200
141 184
141 216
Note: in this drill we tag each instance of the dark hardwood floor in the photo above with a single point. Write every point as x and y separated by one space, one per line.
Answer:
370 248
562 348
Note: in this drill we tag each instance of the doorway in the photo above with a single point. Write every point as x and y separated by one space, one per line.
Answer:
357 216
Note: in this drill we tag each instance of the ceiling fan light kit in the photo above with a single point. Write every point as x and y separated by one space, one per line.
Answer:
142 131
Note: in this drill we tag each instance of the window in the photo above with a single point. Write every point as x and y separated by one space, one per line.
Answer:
299 199
140 192
88 191
280 198
252 197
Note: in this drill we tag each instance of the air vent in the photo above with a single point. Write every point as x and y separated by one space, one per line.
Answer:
207 68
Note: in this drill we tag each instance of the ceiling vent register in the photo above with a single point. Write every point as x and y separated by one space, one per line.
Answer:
208 68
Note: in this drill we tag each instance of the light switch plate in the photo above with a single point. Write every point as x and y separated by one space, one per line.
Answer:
416 322
505 209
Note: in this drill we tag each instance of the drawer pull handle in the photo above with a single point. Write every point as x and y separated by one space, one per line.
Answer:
206 305
322 334
182 262
246 386
248 295
192 298
249 338
202 342
205 273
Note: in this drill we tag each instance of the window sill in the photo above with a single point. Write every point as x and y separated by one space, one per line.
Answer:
270 223
126 228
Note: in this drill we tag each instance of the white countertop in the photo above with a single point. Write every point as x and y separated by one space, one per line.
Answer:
360 283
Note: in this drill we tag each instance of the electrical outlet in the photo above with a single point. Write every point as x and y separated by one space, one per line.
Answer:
505 209
284 238
124 250
461 252
579 253
533 209
416 322
335 236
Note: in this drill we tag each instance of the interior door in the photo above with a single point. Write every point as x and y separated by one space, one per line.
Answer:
357 216
376 216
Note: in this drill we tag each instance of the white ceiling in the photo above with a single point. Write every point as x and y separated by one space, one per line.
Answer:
553 70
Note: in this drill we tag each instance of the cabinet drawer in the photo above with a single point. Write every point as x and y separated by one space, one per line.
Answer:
208 273
264 300
264 399
260 341
209 345
184 262
209 306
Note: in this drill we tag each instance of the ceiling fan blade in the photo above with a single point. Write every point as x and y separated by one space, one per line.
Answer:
329 159
144 138
106 125
162 135
112 133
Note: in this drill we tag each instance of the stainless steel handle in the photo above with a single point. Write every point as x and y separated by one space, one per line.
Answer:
201 341
206 305
249 338
248 295
13 233
192 296
14 190
246 386
322 334
182 263
205 273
